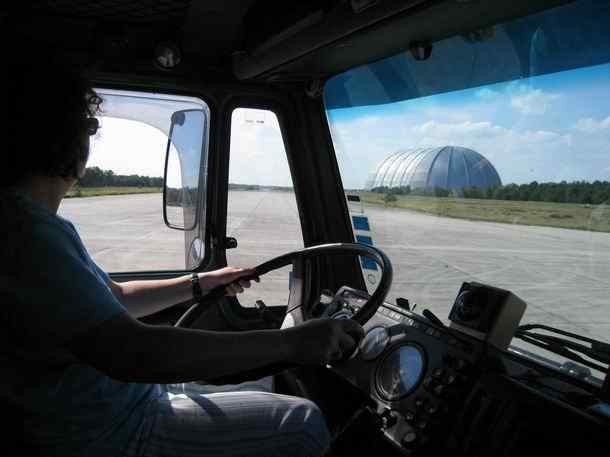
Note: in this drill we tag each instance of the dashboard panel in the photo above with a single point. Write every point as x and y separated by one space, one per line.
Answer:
432 389
417 373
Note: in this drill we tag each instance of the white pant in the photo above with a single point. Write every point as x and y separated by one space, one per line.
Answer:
232 424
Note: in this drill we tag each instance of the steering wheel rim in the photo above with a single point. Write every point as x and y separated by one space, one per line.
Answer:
361 316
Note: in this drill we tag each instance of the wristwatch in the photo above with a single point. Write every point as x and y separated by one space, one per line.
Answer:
197 294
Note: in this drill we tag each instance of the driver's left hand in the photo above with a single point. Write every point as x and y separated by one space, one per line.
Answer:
229 276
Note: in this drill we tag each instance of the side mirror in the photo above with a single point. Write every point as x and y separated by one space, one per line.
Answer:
184 161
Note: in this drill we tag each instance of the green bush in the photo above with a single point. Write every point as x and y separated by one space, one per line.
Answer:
389 198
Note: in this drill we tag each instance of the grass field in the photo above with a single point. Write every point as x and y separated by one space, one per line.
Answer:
564 215
99 191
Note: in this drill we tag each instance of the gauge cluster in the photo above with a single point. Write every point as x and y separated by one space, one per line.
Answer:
400 371
415 371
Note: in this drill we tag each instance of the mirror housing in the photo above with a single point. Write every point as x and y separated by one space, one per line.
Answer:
183 169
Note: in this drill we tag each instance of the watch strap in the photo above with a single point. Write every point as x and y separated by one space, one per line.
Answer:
197 293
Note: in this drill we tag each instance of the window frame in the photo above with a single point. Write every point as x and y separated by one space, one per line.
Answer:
277 109
306 136
203 203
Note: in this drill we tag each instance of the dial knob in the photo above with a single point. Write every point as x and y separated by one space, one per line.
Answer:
409 438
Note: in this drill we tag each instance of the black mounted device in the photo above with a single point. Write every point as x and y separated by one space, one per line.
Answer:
488 313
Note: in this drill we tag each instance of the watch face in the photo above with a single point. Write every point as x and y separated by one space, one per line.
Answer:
196 285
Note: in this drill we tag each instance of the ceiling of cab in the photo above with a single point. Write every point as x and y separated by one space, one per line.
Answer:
124 34
143 11
246 39
118 33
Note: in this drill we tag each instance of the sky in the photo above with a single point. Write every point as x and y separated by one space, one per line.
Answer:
547 128
128 147
258 155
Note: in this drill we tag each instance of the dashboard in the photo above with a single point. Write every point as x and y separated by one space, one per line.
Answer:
425 381
414 371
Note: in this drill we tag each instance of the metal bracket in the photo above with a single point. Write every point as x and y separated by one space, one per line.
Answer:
420 50
314 88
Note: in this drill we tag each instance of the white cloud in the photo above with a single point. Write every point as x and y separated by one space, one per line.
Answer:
444 114
545 136
448 130
489 139
531 101
590 125
369 120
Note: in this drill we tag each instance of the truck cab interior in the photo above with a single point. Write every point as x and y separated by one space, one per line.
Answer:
435 169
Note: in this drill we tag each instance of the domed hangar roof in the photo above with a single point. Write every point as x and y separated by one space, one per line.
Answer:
447 167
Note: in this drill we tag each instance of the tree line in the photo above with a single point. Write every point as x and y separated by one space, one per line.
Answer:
258 187
582 192
418 191
96 177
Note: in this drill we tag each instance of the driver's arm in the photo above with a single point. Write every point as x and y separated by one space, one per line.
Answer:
128 350
142 298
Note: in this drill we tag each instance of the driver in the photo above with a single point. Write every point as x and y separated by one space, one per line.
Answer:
87 377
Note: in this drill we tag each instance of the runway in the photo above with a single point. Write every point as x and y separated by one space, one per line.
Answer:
561 274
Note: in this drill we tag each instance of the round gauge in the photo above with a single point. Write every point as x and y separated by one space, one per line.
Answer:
400 371
374 342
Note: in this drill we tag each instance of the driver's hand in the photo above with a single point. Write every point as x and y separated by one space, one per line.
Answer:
229 276
323 341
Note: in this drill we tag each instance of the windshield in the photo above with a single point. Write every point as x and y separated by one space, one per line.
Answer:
490 162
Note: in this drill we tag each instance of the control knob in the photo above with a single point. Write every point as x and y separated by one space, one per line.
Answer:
409 438
388 418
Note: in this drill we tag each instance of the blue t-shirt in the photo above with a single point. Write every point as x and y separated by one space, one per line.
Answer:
51 291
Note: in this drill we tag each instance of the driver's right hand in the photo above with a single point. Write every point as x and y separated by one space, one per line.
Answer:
322 341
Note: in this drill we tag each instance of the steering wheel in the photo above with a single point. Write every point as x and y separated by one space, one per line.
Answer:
297 292
298 259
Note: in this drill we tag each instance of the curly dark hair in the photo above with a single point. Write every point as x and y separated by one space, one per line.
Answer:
46 106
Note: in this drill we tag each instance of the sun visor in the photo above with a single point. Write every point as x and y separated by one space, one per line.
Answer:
155 112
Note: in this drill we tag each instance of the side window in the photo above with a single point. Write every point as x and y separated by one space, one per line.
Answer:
262 209
117 207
